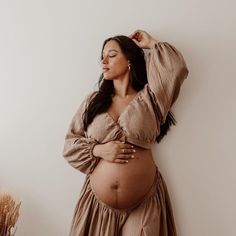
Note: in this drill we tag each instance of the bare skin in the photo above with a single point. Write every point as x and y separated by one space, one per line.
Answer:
125 172
121 185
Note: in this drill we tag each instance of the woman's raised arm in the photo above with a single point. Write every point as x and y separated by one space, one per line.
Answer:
166 71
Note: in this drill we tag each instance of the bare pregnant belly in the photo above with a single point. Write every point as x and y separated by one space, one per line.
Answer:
123 185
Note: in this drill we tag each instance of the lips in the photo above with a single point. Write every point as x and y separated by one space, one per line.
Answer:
105 69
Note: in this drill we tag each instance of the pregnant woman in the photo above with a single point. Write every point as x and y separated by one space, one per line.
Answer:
111 135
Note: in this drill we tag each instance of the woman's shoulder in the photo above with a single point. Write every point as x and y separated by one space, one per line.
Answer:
87 98
91 95
85 101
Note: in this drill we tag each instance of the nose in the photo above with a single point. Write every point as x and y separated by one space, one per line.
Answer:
104 60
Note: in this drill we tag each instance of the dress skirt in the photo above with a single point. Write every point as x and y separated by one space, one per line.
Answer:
152 216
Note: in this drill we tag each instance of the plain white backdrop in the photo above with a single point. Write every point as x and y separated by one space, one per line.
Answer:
49 61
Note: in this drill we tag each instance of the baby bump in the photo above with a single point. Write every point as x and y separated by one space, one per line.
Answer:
123 185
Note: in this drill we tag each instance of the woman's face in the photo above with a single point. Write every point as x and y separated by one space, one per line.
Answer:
114 63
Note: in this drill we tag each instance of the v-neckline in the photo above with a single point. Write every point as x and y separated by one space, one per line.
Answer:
124 111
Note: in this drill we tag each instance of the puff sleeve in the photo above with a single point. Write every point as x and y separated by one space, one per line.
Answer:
166 71
78 149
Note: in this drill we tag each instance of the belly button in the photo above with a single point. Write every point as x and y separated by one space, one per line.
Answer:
115 186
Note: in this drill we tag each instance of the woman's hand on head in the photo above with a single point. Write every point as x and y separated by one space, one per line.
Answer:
142 38
115 151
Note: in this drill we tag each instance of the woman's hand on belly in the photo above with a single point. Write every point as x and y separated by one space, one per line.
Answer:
115 151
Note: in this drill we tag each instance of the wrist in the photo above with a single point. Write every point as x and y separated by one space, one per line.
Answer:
152 43
96 150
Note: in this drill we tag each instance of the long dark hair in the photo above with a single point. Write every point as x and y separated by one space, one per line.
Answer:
138 78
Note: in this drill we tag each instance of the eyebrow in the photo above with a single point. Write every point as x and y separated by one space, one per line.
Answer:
110 51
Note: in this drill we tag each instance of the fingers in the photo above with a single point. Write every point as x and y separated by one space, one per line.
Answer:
121 161
136 41
126 154
123 158
136 32
127 150
137 37
141 38
126 145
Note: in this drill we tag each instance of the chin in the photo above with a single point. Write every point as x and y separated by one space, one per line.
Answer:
107 78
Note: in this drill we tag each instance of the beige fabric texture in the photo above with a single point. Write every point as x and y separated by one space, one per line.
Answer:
166 71
152 215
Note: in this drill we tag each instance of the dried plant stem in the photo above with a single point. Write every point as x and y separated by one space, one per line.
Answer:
9 213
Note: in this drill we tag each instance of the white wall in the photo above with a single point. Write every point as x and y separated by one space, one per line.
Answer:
49 60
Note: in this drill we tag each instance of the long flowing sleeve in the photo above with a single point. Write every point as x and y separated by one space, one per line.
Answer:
166 71
78 149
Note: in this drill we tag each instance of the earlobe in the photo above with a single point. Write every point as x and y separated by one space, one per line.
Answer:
129 64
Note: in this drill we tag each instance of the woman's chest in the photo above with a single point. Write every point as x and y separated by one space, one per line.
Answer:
119 105
137 121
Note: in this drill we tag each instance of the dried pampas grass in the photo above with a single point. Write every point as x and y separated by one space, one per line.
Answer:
9 213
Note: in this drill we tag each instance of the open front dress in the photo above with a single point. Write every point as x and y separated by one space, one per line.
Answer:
139 124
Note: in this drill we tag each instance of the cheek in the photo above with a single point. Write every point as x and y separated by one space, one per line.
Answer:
119 65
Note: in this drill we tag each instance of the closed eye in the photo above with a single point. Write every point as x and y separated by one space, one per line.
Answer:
108 56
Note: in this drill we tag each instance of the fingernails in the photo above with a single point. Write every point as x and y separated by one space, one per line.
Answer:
134 150
132 156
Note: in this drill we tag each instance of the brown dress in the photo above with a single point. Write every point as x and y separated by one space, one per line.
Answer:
166 71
